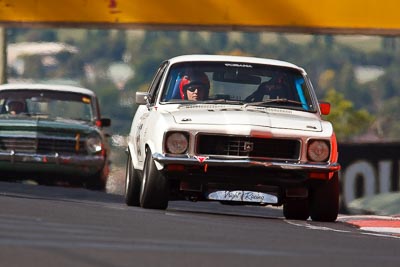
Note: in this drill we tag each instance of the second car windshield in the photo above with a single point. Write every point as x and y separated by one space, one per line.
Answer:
47 104
237 83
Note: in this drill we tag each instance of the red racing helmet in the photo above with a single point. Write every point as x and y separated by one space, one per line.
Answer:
194 78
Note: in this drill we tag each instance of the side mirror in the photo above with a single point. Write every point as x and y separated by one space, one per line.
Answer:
325 108
142 98
104 122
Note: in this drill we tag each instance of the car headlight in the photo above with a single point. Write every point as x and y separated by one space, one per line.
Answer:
176 143
318 151
94 144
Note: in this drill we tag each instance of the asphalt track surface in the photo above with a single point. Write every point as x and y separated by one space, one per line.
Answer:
57 226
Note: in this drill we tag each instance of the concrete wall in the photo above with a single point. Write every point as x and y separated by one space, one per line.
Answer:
368 169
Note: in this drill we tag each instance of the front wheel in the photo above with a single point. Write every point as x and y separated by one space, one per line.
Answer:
132 184
296 210
325 200
154 191
98 181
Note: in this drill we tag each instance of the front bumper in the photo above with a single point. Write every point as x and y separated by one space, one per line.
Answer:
54 162
246 163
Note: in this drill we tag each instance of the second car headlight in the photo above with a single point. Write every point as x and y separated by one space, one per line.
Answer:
94 144
318 151
176 143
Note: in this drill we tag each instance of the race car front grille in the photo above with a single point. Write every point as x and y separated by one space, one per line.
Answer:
248 147
41 145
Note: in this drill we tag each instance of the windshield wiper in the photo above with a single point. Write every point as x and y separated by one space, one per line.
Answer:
272 101
224 101
174 101
22 114
38 114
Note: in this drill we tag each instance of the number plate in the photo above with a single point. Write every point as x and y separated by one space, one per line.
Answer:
243 196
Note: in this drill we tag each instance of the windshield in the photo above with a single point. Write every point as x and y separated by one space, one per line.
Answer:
46 104
238 83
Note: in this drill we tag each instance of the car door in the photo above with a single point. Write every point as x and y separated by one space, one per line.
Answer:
143 114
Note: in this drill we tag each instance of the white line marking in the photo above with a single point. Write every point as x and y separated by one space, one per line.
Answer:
314 227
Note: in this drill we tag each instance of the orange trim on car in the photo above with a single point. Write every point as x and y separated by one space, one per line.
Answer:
319 175
260 134
77 139
175 167
334 149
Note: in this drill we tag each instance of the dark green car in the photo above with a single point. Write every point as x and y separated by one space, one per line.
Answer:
53 134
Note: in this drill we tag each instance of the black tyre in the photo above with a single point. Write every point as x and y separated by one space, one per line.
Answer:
324 205
97 182
132 184
296 209
154 191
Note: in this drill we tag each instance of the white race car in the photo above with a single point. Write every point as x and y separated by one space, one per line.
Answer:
239 130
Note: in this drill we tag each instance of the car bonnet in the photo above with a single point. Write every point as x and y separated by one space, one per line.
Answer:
32 125
265 117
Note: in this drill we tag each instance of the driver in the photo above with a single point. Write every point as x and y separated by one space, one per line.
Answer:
274 88
15 106
194 86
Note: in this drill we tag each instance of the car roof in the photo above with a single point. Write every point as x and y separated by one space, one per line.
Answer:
51 87
241 59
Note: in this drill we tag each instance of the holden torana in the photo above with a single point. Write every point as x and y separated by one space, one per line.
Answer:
238 130
52 134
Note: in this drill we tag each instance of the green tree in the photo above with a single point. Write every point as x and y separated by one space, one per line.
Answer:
387 124
117 45
218 39
33 67
348 122
41 35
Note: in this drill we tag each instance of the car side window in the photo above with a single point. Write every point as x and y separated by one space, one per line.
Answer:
155 84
